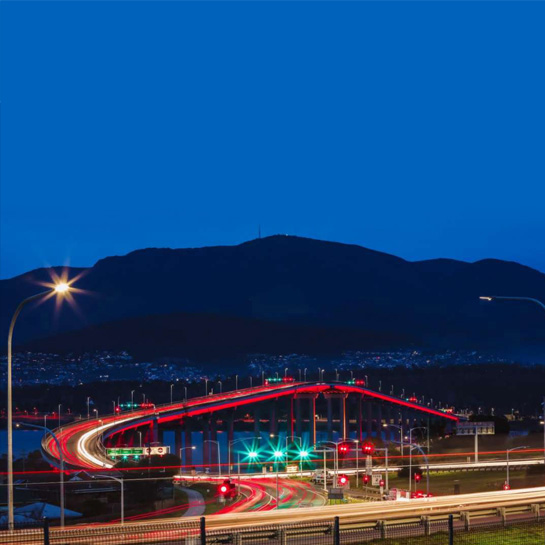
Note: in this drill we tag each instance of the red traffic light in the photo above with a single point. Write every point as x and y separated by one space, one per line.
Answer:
224 488
343 448
417 477
360 382
506 487
365 479
343 480
368 448
381 483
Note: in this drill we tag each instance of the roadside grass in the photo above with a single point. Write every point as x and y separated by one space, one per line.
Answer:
208 491
533 534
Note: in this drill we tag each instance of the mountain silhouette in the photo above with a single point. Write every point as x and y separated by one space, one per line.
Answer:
285 284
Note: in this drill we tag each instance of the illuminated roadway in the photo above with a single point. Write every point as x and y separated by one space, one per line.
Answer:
349 514
81 441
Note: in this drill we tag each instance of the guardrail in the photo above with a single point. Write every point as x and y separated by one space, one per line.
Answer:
320 532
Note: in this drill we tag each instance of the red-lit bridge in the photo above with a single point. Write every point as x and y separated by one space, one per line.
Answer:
83 442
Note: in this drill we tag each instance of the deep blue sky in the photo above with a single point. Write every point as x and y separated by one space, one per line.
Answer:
412 128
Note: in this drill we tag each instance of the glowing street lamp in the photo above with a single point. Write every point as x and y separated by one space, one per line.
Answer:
60 289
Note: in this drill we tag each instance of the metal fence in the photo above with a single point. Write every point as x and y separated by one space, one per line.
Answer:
451 530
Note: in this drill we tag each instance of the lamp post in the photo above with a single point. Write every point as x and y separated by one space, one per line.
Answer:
236 382
531 300
181 448
507 460
88 401
415 446
219 455
185 393
120 481
61 459
285 372
385 450
277 455
411 453
132 400
59 289
231 443
305 374
205 386
171 386
400 428
221 386
324 451
60 405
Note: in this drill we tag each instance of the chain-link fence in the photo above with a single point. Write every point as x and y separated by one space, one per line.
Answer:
496 529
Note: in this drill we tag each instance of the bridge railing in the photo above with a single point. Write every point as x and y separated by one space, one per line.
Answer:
522 524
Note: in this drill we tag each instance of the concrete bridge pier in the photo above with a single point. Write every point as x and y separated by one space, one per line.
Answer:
205 438
213 437
379 420
257 421
178 440
359 418
273 419
188 443
329 419
369 420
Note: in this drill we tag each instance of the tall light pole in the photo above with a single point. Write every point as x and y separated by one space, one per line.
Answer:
285 372
221 386
205 386
531 300
132 400
60 405
236 382
88 401
59 289
171 386
305 374
507 460
231 443
411 453
120 481
400 428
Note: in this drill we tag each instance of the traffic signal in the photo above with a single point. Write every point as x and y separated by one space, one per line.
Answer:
366 479
343 480
224 488
368 448
343 449
506 486
417 477
381 483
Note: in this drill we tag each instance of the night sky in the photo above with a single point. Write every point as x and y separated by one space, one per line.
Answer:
411 128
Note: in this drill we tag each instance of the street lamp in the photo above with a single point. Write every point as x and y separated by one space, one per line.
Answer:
171 386
120 481
277 455
531 300
411 453
60 405
221 386
231 443
88 401
132 400
507 460
400 428
181 448
59 289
